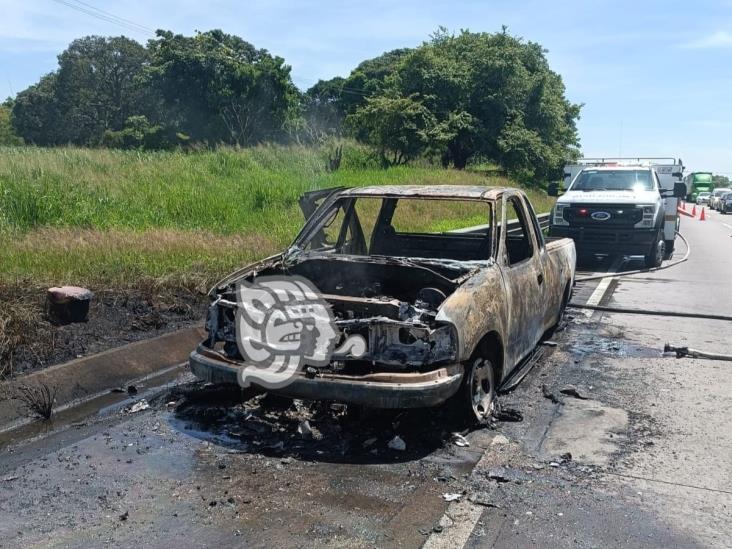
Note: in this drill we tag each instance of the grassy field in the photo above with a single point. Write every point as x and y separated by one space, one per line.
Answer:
126 219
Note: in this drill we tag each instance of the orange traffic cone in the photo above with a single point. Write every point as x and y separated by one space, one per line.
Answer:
693 210
702 217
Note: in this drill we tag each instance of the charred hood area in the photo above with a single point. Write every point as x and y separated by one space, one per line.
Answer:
392 302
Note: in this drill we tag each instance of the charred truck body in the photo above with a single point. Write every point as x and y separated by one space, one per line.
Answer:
447 310
622 206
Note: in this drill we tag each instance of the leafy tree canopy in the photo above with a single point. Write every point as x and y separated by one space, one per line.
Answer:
220 88
96 88
720 181
456 97
492 95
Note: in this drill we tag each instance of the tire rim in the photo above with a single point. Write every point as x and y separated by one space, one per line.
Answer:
481 389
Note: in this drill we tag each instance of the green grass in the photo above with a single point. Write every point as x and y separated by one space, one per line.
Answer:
106 218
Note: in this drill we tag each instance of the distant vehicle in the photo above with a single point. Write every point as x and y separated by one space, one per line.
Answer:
620 206
703 197
714 198
725 203
698 182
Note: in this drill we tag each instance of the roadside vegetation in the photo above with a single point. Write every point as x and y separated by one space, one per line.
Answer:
456 99
121 219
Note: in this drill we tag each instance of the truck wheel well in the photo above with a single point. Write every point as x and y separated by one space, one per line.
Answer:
491 346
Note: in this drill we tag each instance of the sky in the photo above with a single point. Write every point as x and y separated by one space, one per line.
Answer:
655 76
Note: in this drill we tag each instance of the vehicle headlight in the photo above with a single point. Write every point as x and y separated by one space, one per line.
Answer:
649 215
558 215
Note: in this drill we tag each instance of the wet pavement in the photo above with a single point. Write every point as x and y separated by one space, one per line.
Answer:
618 446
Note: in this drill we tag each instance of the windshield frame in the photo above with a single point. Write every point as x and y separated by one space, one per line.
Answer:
323 213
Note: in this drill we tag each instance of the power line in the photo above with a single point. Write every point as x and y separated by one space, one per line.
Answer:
122 19
105 16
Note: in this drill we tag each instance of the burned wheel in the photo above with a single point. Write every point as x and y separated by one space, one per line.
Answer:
477 397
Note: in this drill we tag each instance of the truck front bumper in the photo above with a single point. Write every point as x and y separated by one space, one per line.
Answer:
376 390
610 240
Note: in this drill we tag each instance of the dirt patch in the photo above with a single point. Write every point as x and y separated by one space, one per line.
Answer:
28 341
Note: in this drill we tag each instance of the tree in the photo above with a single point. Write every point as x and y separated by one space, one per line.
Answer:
219 88
95 89
370 78
35 114
720 181
139 133
492 95
7 132
98 86
397 126
323 110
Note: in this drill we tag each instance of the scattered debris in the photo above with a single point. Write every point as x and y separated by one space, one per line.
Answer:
508 414
368 442
452 497
304 430
550 343
499 439
459 440
437 528
397 444
571 390
68 304
124 516
551 396
131 390
138 406
11 478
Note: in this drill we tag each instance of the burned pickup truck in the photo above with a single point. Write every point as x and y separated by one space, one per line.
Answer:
449 287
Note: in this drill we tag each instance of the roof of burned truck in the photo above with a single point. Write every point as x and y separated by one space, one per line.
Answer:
468 192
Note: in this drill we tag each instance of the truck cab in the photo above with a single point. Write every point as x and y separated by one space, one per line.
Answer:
620 208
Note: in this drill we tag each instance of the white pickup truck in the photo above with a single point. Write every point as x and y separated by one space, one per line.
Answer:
620 206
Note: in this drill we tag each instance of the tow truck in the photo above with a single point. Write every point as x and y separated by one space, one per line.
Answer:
622 206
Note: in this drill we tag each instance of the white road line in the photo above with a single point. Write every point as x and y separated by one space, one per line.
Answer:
602 287
458 522
728 226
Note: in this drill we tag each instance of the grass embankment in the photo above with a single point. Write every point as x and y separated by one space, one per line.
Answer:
125 219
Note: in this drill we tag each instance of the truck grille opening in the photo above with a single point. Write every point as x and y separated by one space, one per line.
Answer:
617 215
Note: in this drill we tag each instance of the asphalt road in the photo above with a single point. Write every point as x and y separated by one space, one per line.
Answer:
618 446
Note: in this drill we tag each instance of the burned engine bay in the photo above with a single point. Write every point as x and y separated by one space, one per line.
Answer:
391 302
